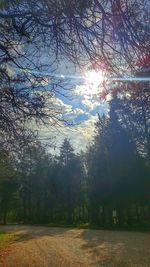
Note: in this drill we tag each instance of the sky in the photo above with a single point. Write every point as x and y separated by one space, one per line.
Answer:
78 99
80 109
80 102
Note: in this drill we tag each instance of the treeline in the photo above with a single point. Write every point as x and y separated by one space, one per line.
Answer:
108 185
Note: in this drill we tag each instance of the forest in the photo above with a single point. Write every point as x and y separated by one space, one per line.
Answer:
106 186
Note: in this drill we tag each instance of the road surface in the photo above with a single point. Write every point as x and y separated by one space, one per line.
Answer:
37 246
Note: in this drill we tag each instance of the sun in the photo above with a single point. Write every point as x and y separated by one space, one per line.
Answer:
94 77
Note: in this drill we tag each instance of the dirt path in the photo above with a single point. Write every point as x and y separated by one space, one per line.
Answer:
62 247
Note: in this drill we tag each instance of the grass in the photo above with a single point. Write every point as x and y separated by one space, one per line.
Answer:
97 227
5 238
5 242
78 226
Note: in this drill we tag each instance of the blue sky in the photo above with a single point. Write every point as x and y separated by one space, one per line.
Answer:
78 100
80 109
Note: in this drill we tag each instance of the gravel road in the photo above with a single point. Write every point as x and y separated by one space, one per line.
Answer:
37 246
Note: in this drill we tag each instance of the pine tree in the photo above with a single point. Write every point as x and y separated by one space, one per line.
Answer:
115 171
70 180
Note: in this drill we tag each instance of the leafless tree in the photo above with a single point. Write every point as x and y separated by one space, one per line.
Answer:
109 34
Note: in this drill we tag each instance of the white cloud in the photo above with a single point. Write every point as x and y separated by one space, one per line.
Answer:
89 97
80 135
91 103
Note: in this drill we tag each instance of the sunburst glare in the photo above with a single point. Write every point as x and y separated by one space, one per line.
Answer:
94 77
93 81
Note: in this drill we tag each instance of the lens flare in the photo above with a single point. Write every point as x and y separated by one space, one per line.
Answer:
94 77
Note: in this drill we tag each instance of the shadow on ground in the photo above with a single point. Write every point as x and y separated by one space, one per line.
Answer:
85 247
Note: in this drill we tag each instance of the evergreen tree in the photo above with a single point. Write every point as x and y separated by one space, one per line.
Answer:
8 185
116 171
70 175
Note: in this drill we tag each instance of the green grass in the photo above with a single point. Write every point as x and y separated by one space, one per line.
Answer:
78 226
4 237
97 227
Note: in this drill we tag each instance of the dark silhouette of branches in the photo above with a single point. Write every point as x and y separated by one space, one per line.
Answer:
111 35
